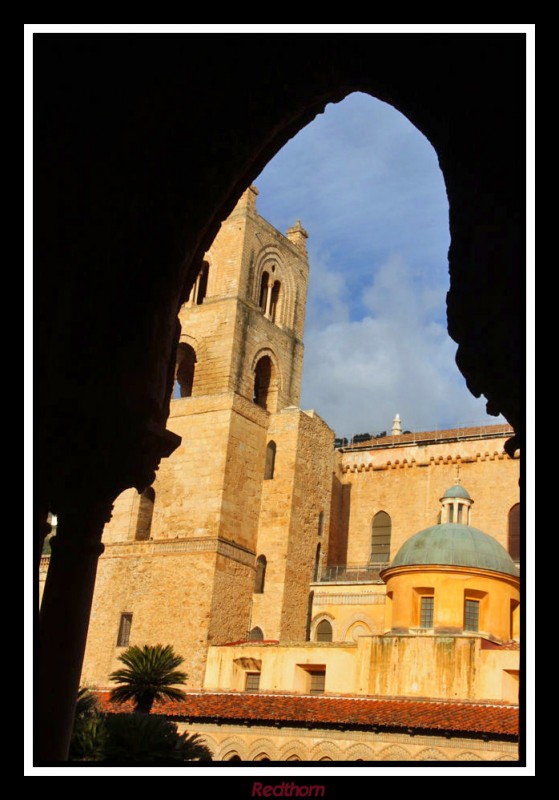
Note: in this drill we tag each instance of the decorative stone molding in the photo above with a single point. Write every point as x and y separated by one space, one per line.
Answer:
366 598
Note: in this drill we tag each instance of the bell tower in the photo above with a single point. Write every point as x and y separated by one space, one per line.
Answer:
246 311
184 562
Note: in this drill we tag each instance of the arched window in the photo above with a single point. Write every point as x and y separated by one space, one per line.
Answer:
265 384
263 298
316 575
256 635
514 532
275 300
294 758
324 631
380 539
202 283
145 514
270 461
186 363
232 758
260 577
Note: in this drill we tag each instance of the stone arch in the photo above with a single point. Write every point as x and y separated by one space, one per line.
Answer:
359 752
430 754
266 377
480 175
256 634
144 519
294 750
326 749
324 631
381 535
508 758
262 748
204 284
357 619
467 755
231 745
394 753
185 370
316 622
232 755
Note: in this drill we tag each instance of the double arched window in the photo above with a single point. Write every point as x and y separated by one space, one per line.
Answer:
200 288
269 296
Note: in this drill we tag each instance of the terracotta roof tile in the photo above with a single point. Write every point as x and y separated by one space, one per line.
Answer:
493 719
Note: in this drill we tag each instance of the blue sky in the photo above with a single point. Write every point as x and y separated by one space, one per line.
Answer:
367 187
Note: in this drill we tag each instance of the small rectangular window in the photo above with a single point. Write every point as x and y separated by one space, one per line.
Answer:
451 513
427 610
460 509
471 615
124 630
317 681
252 682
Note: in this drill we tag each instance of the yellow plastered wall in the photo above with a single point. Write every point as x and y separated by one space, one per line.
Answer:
352 609
451 586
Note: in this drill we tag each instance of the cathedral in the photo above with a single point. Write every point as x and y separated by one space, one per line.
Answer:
332 601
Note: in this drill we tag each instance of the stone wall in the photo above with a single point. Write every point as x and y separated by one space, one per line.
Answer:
300 744
408 482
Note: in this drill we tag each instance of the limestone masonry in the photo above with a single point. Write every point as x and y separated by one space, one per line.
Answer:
278 565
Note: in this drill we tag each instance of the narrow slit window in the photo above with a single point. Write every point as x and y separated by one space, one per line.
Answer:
203 284
124 628
260 576
270 461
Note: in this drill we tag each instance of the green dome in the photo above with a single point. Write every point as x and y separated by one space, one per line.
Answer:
456 491
455 545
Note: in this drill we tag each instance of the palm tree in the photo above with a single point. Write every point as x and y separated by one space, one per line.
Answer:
138 737
151 675
89 733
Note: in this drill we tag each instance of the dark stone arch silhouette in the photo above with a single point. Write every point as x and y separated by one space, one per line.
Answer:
118 259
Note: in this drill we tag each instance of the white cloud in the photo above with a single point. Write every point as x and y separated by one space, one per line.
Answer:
367 186
397 359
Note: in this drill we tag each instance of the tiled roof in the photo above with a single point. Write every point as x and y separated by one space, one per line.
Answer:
492 719
441 435
487 644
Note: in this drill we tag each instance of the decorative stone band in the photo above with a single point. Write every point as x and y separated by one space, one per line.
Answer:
200 544
366 598
433 461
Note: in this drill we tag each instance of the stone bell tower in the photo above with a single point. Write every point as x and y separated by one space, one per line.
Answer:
181 560
246 311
